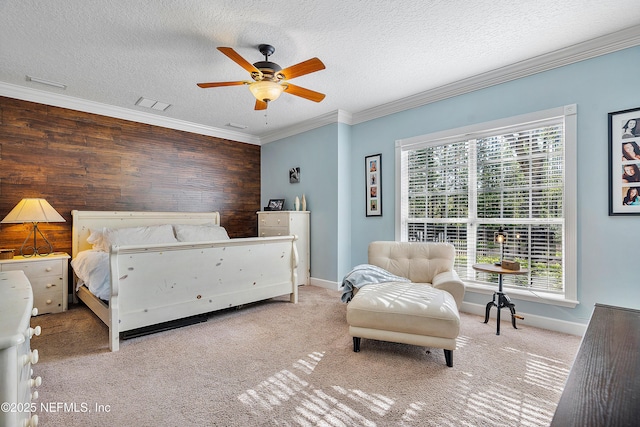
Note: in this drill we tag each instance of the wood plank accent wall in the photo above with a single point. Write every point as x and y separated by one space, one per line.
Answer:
85 161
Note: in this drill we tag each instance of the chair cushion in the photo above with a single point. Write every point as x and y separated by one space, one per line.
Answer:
420 262
405 307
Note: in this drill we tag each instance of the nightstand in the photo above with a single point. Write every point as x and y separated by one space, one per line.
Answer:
49 278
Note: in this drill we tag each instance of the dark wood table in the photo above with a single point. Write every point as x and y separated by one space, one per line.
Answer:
500 299
603 387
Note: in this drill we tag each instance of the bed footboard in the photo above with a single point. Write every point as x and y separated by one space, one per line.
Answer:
155 284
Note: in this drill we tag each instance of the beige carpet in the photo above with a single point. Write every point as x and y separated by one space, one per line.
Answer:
281 364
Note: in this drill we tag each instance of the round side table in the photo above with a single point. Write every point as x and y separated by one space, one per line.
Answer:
500 299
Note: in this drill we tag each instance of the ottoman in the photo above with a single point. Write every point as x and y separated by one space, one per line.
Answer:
405 312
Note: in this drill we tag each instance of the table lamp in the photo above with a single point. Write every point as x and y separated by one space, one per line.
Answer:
33 211
500 237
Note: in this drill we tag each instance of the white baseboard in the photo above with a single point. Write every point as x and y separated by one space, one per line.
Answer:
529 319
327 284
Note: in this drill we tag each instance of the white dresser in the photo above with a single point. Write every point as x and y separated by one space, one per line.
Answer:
288 223
49 278
16 356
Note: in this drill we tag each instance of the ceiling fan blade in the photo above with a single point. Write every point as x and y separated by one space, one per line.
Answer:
220 84
309 66
304 93
260 105
235 57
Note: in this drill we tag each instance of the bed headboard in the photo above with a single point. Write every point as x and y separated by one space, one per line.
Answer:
84 221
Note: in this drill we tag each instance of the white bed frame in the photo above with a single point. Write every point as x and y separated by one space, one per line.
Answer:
160 283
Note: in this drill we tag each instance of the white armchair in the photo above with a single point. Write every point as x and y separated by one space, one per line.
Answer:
427 263
421 312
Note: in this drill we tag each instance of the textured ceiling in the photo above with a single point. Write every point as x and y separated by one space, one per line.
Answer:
376 52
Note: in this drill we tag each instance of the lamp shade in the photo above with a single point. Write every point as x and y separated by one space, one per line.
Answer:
32 210
266 90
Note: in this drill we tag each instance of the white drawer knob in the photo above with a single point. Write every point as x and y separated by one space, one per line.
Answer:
34 331
34 357
35 382
49 269
34 312
34 395
49 301
33 421
50 285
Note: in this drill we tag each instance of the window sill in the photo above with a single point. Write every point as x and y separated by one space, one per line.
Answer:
523 294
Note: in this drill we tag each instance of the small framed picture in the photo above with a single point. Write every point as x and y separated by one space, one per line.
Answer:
373 187
275 205
294 175
624 162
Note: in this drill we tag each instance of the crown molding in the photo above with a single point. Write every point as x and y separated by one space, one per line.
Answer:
610 43
65 101
338 116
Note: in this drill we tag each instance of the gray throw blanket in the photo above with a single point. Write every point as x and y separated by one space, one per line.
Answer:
365 274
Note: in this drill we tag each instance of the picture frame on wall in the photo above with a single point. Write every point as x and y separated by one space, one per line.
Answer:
373 181
294 175
624 162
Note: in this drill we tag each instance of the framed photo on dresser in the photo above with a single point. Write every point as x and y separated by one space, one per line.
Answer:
275 205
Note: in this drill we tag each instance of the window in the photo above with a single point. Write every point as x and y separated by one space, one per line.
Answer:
462 185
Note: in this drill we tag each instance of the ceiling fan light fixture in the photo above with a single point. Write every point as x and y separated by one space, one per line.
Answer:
266 90
270 80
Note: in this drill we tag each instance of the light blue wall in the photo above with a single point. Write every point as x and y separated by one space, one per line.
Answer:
607 246
316 153
345 208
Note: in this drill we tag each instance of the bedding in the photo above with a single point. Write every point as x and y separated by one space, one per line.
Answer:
92 270
199 233
104 238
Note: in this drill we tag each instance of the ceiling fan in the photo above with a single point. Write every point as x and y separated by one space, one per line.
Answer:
269 79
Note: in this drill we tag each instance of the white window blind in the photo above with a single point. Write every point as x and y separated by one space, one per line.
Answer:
462 189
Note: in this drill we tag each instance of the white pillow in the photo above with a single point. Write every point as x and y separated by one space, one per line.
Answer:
154 234
200 233
95 238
